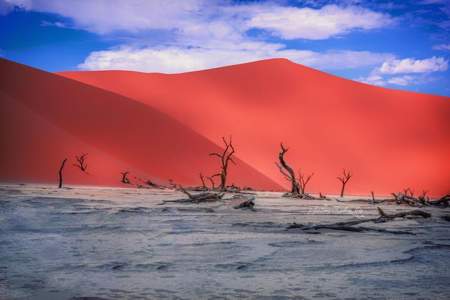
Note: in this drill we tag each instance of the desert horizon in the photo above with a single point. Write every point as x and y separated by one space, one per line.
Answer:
209 149
180 119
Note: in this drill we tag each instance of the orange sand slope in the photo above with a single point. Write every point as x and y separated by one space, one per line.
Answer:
161 126
46 117
389 139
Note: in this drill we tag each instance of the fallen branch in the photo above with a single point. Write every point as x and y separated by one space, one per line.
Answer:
248 203
196 198
440 202
349 225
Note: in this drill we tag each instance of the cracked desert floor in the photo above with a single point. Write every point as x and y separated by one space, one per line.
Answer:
111 243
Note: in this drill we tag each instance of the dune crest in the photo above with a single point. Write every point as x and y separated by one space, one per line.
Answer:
389 139
46 117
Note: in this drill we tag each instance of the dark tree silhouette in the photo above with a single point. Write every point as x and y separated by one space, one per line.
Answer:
225 157
303 181
213 184
408 192
202 178
125 177
287 171
81 162
60 172
346 175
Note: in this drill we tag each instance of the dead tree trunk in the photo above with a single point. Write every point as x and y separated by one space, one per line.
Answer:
225 157
287 171
81 162
344 179
60 172
125 177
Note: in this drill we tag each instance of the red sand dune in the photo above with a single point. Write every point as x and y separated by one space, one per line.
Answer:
162 126
389 139
46 117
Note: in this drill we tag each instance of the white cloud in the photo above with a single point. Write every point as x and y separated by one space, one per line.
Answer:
388 72
316 24
410 65
373 79
444 47
201 34
401 80
180 59
108 16
379 80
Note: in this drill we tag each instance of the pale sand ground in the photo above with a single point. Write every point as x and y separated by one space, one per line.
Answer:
119 244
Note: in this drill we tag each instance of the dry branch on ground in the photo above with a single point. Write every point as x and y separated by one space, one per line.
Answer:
204 197
350 225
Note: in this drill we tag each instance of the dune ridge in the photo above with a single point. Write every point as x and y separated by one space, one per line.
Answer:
46 117
389 139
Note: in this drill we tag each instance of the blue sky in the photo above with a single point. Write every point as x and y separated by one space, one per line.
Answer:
396 44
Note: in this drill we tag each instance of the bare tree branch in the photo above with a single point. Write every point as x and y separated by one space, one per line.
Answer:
210 178
346 175
81 162
225 157
303 181
287 171
202 178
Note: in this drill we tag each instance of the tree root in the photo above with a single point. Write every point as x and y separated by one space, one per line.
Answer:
349 225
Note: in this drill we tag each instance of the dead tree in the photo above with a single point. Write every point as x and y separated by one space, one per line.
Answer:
322 196
81 162
408 192
125 177
60 172
407 197
303 181
152 184
423 197
247 203
350 225
196 198
225 157
202 178
287 171
298 187
213 184
344 179
443 201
